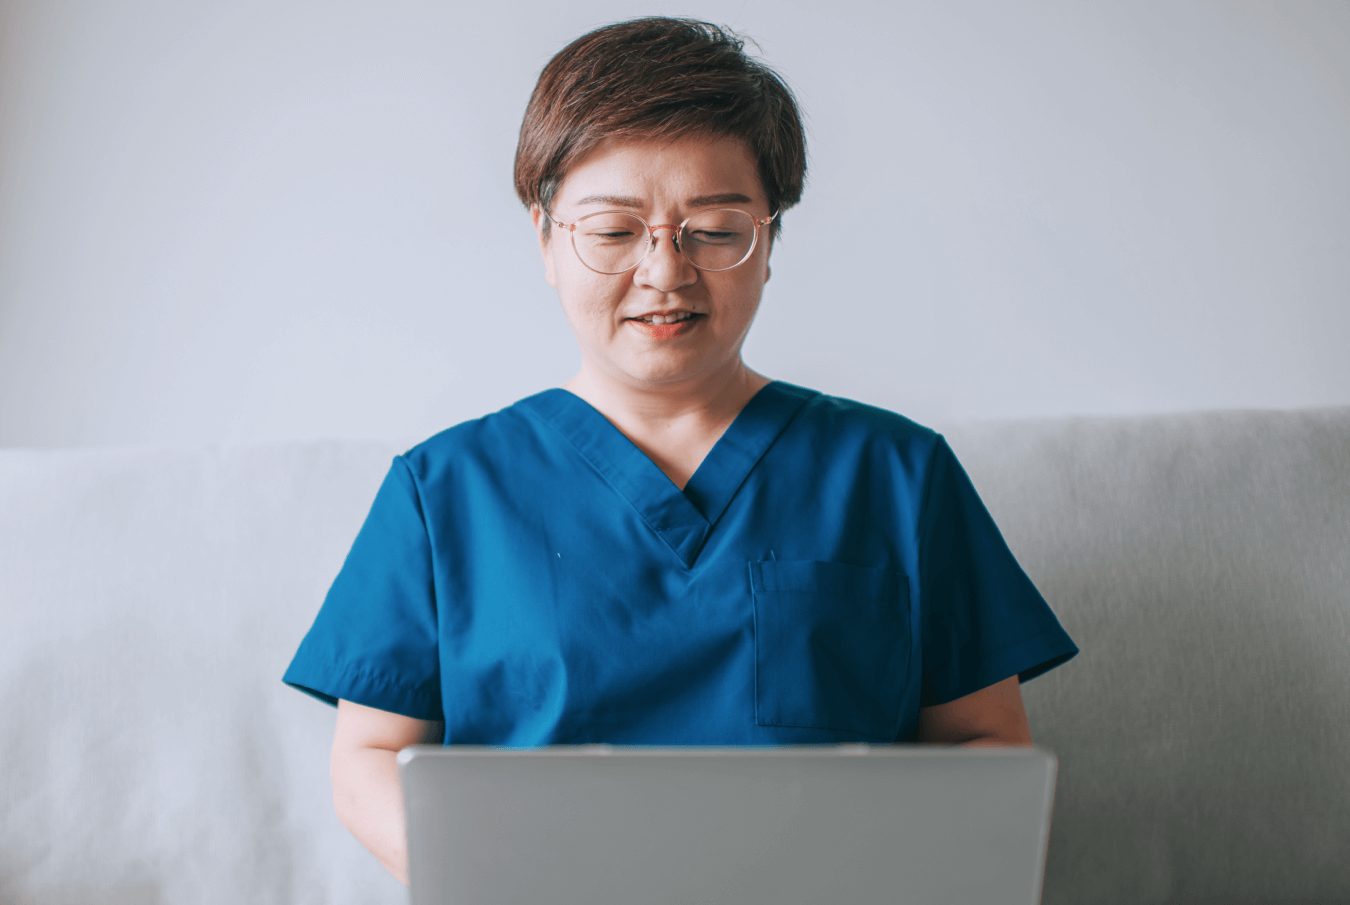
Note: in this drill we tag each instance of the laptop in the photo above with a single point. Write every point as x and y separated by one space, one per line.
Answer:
605 825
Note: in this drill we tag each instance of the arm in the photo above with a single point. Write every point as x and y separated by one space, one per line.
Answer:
992 717
364 768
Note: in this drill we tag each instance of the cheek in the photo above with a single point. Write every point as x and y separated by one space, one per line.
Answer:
743 296
591 303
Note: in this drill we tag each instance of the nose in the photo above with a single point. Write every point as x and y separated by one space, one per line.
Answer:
664 268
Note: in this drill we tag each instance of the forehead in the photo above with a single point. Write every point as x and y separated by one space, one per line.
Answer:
644 173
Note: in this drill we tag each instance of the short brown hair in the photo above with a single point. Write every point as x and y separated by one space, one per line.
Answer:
658 78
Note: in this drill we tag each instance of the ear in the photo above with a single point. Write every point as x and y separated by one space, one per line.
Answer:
538 218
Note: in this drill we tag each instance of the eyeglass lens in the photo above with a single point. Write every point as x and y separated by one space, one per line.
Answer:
615 242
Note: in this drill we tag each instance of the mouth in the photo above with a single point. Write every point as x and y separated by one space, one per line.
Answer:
662 318
666 325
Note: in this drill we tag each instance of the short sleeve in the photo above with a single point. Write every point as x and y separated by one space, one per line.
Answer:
374 641
982 619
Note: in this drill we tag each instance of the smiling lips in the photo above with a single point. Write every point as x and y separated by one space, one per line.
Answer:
666 326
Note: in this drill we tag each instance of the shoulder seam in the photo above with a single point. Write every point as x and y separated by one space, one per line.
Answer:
924 501
426 531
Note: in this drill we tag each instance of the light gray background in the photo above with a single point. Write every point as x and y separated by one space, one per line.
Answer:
285 220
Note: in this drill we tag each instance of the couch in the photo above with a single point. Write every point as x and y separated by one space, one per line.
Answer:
151 598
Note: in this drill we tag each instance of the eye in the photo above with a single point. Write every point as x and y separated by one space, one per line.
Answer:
609 228
720 227
608 236
714 236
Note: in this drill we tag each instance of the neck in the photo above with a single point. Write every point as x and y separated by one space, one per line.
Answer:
708 399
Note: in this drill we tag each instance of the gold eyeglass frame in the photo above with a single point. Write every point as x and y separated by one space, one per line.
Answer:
651 237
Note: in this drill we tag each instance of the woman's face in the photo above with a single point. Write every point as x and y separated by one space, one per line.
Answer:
707 314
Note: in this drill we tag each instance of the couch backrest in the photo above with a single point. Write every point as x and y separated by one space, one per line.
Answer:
149 601
1202 563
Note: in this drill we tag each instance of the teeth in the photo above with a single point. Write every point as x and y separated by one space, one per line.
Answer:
667 319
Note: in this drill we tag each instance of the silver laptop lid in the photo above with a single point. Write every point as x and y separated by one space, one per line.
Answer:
740 826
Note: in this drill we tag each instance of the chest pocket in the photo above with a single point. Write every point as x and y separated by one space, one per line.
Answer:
831 646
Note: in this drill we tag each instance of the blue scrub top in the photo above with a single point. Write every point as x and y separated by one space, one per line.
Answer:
532 578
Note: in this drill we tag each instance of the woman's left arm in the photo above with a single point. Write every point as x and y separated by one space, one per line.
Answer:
992 717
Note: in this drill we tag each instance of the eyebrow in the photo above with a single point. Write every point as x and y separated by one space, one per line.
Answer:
638 203
614 200
726 198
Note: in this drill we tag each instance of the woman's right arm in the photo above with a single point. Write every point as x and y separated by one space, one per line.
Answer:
366 790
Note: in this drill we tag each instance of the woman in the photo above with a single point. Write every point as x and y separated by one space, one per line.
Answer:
672 548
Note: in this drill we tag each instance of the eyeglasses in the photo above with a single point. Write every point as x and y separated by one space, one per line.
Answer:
613 242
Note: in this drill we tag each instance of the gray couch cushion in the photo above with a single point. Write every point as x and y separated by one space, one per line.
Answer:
1202 564
149 602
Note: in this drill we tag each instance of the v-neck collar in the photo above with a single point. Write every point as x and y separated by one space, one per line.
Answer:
682 519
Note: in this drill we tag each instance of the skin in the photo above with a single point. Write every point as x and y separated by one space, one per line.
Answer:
672 395
367 794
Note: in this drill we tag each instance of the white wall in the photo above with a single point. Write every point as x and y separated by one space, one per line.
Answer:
286 219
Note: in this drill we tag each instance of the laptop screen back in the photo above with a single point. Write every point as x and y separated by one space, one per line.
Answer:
676 826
